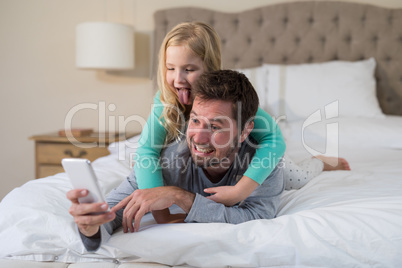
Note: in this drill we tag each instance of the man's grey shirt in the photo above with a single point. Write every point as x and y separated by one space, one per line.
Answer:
179 170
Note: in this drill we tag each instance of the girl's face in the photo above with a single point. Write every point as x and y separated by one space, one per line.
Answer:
183 68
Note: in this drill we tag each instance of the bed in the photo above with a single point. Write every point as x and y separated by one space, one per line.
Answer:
343 63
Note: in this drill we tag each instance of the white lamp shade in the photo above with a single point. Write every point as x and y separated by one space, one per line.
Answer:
104 45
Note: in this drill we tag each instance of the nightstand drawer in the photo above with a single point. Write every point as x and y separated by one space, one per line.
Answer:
51 148
48 170
51 153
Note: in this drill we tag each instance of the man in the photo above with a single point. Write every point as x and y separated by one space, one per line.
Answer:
215 152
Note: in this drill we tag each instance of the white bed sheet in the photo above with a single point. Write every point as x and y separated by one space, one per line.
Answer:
341 218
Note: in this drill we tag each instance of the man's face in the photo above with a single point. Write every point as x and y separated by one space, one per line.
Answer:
212 134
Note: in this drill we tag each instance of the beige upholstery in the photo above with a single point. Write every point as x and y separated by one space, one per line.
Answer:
303 32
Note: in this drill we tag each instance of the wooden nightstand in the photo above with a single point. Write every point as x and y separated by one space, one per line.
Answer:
51 148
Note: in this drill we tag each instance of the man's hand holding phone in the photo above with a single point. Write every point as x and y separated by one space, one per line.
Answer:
88 216
88 207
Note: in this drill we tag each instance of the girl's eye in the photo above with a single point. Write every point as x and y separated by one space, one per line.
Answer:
189 70
170 69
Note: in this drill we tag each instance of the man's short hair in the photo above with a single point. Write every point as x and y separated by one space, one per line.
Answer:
228 85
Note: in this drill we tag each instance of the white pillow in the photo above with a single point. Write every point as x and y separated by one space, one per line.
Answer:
347 131
125 150
298 91
258 78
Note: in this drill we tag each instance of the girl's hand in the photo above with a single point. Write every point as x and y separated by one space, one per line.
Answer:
231 195
227 195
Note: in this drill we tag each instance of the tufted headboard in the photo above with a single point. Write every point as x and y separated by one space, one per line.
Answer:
304 32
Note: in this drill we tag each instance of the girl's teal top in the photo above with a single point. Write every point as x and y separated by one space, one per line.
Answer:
266 132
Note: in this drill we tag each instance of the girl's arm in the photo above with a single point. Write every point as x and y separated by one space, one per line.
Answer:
271 147
146 166
270 151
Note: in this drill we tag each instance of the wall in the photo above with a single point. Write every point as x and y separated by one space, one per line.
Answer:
39 82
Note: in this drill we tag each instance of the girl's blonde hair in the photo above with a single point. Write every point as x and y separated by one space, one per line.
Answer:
204 42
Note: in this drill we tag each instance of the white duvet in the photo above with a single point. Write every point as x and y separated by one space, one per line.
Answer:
339 219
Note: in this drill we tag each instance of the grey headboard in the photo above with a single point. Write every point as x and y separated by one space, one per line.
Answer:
303 32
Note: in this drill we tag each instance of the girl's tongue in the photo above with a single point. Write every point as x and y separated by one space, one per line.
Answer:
184 96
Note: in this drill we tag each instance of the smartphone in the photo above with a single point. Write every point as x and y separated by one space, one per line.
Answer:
82 176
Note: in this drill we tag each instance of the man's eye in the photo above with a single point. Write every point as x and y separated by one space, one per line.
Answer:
215 128
194 120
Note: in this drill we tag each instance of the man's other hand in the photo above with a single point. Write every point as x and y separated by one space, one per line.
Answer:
145 200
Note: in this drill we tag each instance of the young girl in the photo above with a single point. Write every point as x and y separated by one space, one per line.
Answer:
187 51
